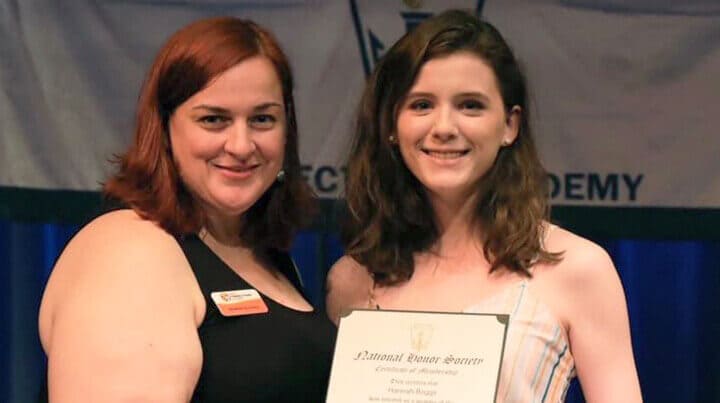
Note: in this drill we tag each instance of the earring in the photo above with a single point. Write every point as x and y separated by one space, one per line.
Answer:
280 176
506 143
391 139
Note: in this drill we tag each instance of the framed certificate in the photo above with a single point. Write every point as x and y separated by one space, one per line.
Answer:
417 357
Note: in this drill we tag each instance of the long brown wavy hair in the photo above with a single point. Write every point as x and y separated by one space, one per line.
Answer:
389 216
147 179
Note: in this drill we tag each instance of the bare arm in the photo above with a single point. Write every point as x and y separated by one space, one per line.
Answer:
118 318
599 327
348 287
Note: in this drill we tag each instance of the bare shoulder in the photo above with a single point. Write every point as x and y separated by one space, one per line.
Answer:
582 259
124 227
348 286
113 233
585 290
116 248
346 273
119 244
113 282
584 281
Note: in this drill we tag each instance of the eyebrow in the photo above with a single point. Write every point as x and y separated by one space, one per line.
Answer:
267 105
213 109
419 95
221 110
476 94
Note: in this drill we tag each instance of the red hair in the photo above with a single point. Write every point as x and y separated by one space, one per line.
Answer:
147 179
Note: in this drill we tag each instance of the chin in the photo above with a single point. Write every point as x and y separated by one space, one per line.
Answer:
230 208
448 190
236 201
443 186
240 208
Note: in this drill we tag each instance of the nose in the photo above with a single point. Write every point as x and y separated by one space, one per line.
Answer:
239 141
445 127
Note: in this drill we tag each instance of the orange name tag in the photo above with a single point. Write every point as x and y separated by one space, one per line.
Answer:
239 302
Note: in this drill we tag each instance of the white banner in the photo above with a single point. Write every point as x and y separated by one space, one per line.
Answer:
625 97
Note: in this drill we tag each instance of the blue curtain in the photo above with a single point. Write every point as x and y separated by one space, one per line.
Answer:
27 254
672 289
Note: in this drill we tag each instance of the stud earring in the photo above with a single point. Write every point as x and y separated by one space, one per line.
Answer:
280 176
506 143
391 139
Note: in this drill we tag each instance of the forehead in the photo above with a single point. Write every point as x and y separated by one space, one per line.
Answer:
461 71
253 80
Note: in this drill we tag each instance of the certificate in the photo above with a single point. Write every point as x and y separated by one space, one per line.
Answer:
417 357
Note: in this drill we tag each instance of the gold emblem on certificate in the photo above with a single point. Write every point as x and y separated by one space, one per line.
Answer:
421 335
417 357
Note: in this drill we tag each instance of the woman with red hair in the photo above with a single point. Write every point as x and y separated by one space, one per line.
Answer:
188 292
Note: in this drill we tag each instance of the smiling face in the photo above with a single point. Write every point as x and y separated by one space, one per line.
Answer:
228 139
452 123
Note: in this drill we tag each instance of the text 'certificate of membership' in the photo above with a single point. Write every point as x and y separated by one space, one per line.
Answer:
417 357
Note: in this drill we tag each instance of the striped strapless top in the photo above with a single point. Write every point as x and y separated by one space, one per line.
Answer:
537 363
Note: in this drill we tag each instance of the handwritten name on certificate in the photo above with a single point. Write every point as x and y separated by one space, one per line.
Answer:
417 357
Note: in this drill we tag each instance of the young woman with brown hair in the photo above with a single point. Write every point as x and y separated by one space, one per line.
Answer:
448 211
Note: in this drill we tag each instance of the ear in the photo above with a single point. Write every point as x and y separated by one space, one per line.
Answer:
392 139
512 125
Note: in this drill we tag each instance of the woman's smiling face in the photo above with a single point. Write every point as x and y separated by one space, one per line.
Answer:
228 140
452 123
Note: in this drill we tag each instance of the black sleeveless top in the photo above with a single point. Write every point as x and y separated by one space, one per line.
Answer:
280 356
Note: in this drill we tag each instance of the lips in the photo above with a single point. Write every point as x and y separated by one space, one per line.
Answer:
238 168
445 154
237 171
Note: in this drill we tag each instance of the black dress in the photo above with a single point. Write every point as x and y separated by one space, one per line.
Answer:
283 355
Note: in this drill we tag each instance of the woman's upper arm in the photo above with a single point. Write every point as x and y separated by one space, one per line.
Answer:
599 328
348 285
118 318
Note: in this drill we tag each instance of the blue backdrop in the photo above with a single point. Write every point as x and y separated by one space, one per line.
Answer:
672 289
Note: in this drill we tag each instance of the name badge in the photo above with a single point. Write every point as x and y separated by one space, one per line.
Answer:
239 302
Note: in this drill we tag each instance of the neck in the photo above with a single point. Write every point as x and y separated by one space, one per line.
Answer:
456 225
223 230
224 240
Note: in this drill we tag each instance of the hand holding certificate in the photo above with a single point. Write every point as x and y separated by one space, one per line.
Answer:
399 356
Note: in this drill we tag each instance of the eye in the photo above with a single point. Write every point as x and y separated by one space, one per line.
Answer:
420 105
262 121
472 105
214 122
